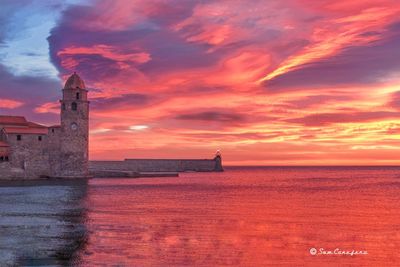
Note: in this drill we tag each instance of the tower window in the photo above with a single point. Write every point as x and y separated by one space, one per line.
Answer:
78 96
40 138
19 137
74 106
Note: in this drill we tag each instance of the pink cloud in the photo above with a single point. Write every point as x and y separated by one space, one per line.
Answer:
10 104
51 107
191 74
105 51
332 35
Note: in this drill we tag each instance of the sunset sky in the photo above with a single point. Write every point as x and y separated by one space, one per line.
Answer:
268 82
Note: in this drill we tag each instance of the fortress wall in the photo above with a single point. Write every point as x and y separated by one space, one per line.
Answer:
7 172
167 165
106 165
29 154
157 165
53 150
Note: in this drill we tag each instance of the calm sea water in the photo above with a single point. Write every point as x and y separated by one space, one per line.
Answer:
242 217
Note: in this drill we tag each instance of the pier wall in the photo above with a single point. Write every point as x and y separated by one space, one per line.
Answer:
159 165
8 172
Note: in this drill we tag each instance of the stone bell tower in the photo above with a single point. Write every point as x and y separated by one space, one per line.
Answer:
74 136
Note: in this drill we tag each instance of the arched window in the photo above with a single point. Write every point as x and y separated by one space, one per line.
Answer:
78 96
74 106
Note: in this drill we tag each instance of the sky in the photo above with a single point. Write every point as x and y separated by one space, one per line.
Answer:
266 82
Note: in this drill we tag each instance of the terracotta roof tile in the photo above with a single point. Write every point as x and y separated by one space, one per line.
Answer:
74 81
3 144
25 130
13 120
35 125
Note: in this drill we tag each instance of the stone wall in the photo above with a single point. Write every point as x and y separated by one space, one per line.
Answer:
53 148
74 138
8 172
159 165
29 155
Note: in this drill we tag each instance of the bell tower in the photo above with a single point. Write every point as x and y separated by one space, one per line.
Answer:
74 136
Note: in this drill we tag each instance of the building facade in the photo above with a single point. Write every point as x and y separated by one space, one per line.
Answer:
29 150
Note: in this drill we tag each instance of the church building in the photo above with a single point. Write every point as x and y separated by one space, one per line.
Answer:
29 150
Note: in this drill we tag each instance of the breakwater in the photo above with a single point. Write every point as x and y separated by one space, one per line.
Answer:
159 165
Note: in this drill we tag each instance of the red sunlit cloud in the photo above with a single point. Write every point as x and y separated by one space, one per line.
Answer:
271 82
9 104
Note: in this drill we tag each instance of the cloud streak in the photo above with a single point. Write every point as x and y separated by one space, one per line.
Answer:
274 82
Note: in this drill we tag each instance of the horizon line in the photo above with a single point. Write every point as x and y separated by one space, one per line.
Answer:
311 165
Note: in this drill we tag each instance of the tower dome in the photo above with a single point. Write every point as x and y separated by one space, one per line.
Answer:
74 82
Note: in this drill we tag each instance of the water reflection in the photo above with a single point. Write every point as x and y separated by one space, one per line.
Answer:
245 217
42 223
242 217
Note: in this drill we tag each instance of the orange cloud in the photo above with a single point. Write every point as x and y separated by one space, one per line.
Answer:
10 104
51 107
334 35
105 51
184 80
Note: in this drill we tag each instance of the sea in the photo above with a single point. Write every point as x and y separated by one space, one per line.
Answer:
245 216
